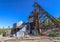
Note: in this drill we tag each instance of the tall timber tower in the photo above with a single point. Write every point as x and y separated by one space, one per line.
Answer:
34 17
38 18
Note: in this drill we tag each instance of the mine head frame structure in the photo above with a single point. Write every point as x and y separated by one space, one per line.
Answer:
39 16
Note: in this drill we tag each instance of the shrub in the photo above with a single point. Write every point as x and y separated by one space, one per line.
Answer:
52 34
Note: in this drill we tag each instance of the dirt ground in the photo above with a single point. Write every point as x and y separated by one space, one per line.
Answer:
29 39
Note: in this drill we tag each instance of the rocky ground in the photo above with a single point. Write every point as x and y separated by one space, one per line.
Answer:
28 39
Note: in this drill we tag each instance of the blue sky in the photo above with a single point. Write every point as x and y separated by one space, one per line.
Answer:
12 11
